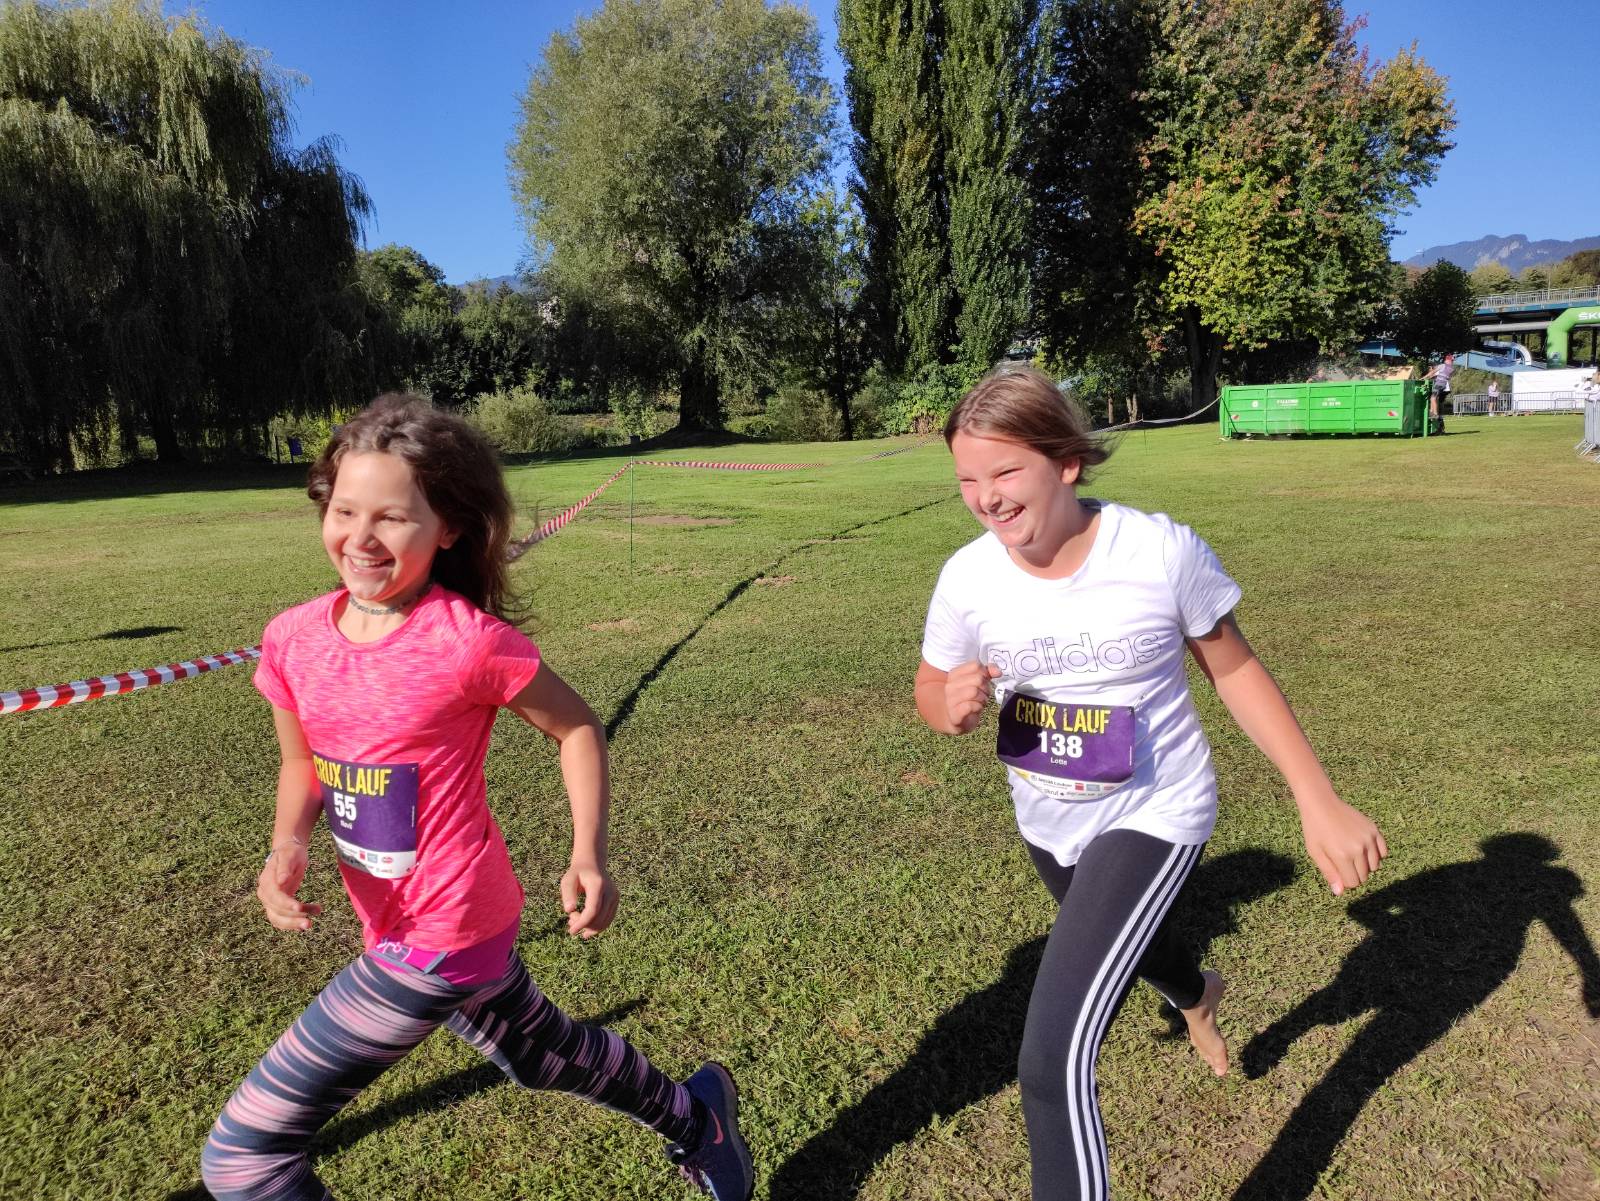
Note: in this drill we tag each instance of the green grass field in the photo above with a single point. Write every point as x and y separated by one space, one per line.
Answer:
815 888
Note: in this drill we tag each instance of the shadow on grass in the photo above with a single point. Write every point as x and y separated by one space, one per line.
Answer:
626 706
970 1053
343 1132
150 479
109 636
1442 941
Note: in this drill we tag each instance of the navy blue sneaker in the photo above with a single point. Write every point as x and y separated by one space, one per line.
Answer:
720 1165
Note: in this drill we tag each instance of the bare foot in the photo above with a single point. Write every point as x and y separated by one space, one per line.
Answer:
1202 1020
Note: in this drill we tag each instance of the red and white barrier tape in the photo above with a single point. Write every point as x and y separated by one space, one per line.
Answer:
900 450
522 546
55 695
707 464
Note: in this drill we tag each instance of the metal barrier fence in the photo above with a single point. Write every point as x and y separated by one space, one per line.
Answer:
1549 297
1589 448
1478 404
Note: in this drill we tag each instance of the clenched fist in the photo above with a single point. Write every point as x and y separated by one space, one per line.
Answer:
967 690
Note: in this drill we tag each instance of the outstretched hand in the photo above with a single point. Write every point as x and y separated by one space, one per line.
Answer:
277 884
1343 842
592 886
966 691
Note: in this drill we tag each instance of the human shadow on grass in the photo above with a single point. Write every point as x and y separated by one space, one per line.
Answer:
345 1131
109 636
1442 941
970 1052
630 702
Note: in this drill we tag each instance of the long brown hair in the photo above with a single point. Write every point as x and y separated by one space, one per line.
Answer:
1023 404
458 472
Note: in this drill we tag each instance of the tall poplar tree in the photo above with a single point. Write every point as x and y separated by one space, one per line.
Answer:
986 73
939 94
891 50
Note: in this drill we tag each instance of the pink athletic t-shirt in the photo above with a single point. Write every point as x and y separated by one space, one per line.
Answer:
399 729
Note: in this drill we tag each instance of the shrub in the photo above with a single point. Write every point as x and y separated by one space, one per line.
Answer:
518 421
921 403
796 413
638 414
313 431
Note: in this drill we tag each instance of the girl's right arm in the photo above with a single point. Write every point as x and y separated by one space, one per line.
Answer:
299 803
952 701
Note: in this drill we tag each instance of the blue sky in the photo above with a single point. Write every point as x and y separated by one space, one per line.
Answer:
423 96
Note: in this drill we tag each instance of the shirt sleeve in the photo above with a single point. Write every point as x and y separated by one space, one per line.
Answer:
947 640
268 677
1204 592
498 664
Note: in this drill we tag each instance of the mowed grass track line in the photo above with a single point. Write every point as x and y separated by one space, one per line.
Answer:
815 888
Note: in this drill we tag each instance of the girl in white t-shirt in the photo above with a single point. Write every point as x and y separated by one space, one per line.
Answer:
1075 614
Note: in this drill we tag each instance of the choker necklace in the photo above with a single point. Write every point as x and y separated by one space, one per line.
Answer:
391 609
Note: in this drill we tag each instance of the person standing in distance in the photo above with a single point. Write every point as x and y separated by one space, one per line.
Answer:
1440 374
1074 615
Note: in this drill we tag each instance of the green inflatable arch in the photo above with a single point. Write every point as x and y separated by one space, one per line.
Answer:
1555 343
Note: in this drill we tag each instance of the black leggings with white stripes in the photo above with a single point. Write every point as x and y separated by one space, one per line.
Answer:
1111 927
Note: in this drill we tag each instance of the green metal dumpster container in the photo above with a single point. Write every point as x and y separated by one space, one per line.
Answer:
1387 406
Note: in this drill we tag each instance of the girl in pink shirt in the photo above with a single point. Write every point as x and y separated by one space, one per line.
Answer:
384 693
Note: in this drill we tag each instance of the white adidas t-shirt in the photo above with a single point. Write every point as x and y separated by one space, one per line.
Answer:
1112 633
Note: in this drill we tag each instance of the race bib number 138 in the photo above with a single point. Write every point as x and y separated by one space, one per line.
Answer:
372 811
1069 752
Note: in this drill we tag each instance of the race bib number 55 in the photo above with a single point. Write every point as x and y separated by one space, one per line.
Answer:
1068 752
372 811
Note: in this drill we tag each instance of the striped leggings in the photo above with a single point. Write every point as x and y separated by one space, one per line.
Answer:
367 1019
1111 926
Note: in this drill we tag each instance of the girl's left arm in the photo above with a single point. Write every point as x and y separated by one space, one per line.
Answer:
1342 841
549 704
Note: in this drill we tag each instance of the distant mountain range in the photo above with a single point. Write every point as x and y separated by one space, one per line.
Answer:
515 282
1514 252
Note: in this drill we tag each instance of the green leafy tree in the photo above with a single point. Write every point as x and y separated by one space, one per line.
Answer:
1490 279
1534 279
939 95
1257 202
169 263
664 155
1089 268
431 352
1436 313
1580 270
1277 162
891 50
506 336
829 350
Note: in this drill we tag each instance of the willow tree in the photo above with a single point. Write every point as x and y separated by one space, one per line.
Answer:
169 263
663 159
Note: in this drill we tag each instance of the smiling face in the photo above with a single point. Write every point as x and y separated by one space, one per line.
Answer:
379 530
1029 500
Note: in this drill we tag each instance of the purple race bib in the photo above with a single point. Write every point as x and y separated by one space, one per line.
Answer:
1068 752
372 811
